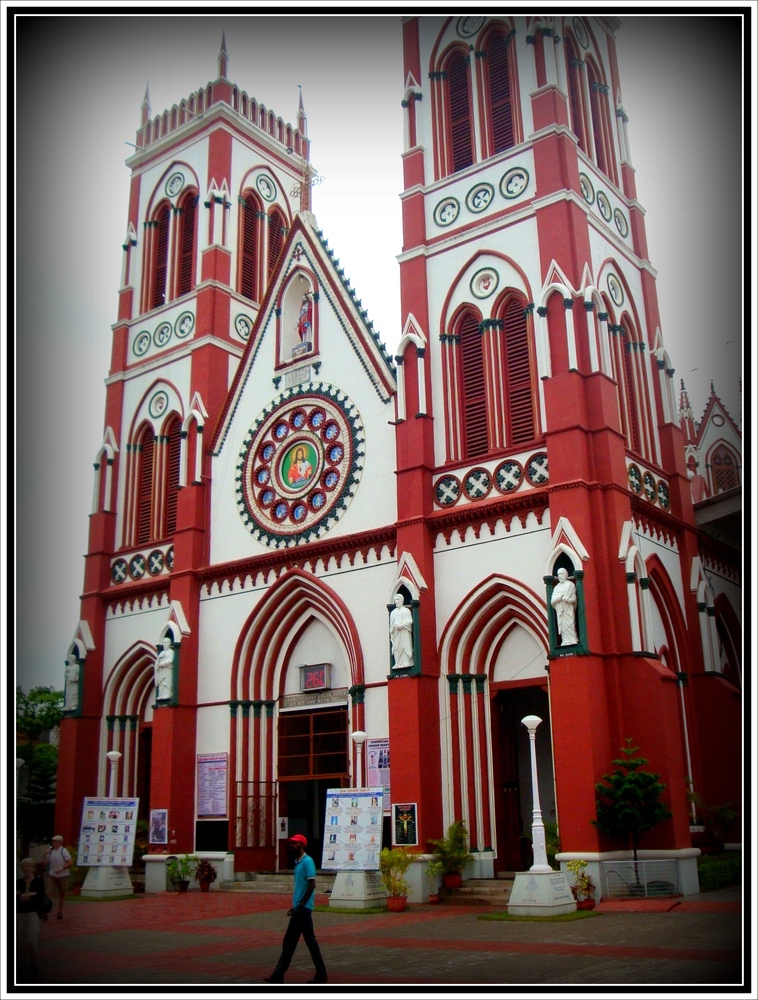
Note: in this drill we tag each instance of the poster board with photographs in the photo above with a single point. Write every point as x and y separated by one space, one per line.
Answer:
108 831
352 829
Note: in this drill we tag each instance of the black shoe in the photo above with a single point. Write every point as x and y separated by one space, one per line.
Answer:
270 979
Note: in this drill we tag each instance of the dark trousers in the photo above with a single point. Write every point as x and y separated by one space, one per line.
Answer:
300 923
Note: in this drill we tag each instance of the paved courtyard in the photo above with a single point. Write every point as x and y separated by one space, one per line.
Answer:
228 941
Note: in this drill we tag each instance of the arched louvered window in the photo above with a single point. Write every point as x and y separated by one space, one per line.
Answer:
597 117
475 439
250 248
187 233
160 257
723 471
519 375
275 239
145 489
173 433
576 101
459 112
500 98
632 402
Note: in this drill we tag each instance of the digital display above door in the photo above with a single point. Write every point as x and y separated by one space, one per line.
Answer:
314 677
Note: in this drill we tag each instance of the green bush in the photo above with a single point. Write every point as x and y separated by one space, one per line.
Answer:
716 871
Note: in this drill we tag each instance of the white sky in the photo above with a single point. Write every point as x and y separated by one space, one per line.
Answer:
80 84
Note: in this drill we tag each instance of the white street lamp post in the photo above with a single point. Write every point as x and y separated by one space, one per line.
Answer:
538 829
359 738
114 757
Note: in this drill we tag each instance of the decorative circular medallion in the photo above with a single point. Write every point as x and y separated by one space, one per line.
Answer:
580 33
508 476
604 205
162 335
468 26
588 191
484 283
184 325
447 491
266 187
477 483
649 486
155 562
536 469
243 325
174 184
137 566
479 197
447 211
119 570
141 343
664 499
514 182
614 287
158 403
170 558
635 479
718 420
621 224
300 465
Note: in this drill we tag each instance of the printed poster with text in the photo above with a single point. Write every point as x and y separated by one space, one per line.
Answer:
108 831
352 829
378 765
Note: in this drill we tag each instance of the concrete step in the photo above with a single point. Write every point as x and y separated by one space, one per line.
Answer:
478 892
273 882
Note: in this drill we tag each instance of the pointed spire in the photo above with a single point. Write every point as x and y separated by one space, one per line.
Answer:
223 58
686 417
145 106
713 391
302 121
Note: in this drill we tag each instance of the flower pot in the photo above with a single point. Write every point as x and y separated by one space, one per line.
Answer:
452 880
585 904
434 898
205 885
184 885
396 904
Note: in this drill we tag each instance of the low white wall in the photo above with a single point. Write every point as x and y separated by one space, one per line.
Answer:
155 869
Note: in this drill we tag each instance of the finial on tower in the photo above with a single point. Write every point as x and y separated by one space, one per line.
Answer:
223 58
713 391
145 106
302 121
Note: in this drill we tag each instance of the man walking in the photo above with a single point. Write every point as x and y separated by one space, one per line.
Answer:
301 916
58 861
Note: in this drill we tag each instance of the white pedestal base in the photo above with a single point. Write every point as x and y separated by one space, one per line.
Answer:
103 882
541 894
358 890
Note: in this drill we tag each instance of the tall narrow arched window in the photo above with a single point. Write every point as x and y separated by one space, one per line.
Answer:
276 232
576 94
499 91
520 388
146 452
596 113
632 402
460 125
250 241
187 243
173 434
160 256
724 474
475 437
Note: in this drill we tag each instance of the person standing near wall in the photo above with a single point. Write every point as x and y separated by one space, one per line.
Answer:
58 861
30 895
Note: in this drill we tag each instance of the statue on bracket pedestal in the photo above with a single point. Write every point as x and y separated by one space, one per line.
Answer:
71 691
401 633
564 601
164 671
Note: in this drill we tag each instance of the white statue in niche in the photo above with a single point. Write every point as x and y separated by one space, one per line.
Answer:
564 602
164 671
401 633
71 691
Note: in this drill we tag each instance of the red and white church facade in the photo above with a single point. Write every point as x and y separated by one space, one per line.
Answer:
270 477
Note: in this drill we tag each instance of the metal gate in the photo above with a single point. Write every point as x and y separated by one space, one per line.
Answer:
255 825
644 879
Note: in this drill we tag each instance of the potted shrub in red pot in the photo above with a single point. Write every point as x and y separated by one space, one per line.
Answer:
205 873
583 889
393 864
453 854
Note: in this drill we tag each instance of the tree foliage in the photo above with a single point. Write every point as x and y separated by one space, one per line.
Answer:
629 799
38 711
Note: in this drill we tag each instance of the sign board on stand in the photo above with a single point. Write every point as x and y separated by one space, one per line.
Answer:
352 843
106 845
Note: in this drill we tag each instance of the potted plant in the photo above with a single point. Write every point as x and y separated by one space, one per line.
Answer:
180 870
583 889
453 853
205 873
434 870
393 864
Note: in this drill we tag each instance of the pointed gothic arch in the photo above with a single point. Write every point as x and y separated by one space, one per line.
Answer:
127 705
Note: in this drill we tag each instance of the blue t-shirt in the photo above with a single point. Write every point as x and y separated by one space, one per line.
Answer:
304 869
